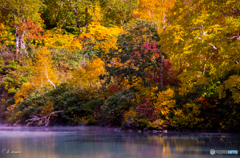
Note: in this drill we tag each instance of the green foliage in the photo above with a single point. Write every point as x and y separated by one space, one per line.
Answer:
71 15
75 104
133 60
7 66
117 12
116 105
13 75
14 10
65 60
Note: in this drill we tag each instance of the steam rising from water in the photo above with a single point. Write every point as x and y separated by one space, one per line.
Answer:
5 127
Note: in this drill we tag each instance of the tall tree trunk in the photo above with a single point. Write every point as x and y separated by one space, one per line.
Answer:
123 22
164 16
17 39
86 16
77 19
22 42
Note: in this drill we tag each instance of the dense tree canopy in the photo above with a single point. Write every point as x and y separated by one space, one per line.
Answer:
153 64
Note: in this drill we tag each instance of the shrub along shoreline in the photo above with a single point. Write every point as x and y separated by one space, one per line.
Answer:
90 107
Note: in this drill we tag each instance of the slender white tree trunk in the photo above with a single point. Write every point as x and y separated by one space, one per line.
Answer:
164 16
16 38
22 42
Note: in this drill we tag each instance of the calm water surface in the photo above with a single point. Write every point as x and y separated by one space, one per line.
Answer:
92 142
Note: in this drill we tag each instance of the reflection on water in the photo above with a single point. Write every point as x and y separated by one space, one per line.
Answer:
86 142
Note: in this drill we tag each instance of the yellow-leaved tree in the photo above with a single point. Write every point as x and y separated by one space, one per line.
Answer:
87 76
43 76
96 12
164 105
103 38
154 10
202 40
188 116
60 39
6 38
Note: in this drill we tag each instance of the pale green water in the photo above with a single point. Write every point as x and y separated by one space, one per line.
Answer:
85 142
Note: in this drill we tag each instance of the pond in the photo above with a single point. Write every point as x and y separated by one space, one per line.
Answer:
97 142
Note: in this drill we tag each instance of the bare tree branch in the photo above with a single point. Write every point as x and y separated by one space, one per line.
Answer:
46 73
41 120
214 47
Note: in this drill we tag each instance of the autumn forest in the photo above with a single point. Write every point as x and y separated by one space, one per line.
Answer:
134 64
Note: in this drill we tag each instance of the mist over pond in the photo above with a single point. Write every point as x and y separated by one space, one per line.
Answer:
99 142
